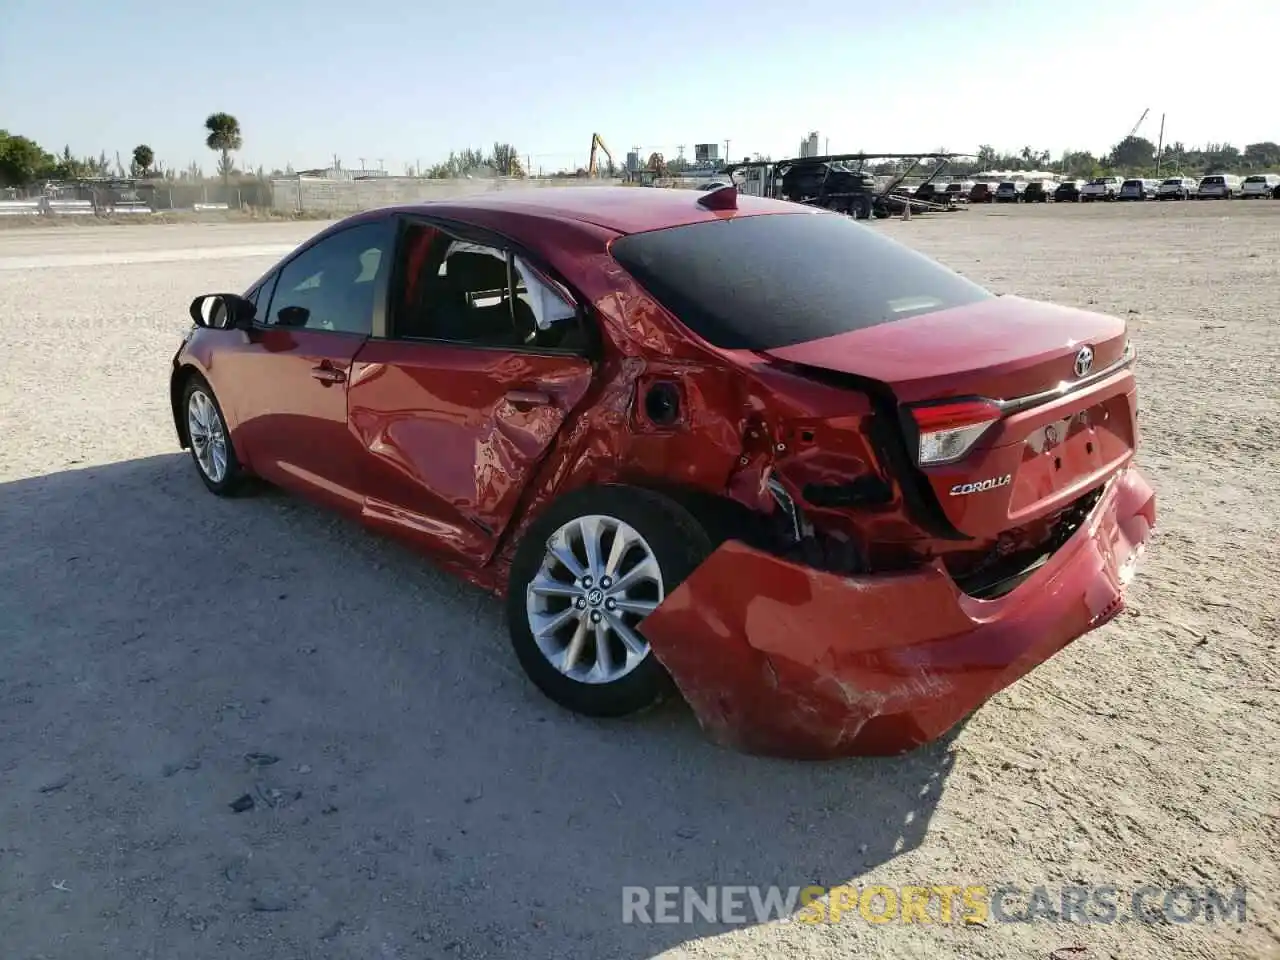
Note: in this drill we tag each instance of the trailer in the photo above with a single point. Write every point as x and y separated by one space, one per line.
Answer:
841 182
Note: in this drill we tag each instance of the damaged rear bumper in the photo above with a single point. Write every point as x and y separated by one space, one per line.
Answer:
777 658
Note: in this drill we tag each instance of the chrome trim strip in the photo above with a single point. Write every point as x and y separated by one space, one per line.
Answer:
1069 386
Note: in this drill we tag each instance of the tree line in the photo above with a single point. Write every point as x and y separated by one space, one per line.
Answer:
24 162
1134 156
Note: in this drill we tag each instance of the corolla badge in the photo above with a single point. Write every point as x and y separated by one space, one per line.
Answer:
981 486
1084 361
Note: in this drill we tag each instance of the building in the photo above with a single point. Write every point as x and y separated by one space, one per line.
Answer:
809 145
339 173
633 160
706 154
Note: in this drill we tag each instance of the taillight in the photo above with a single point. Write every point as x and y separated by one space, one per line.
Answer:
948 431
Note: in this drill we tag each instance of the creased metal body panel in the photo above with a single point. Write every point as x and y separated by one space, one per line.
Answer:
781 659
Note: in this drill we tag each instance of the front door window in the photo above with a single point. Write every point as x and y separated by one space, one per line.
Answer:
333 285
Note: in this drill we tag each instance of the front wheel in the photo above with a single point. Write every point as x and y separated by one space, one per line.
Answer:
585 576
209 440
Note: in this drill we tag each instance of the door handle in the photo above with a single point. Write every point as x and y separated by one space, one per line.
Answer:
529 398
327 374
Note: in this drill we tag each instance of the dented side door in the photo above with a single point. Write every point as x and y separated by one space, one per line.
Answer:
453 433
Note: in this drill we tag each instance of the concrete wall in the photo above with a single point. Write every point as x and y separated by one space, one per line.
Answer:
312 195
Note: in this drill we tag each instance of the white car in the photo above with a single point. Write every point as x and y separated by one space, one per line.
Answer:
1219 186
1101 188
1261 185
1178 188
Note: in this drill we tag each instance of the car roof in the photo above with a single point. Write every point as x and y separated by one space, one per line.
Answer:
623 210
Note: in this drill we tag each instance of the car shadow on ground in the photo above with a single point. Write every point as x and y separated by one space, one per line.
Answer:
426 800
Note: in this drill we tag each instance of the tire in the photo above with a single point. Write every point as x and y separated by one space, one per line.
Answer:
674 542
204 417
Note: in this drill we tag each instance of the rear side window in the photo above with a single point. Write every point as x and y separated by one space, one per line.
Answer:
765 282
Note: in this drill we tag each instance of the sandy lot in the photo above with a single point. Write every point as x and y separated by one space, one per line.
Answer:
428 803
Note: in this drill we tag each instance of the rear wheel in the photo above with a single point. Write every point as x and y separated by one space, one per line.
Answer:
584 577
209 439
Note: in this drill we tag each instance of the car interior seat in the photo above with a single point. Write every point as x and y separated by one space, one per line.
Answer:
453 315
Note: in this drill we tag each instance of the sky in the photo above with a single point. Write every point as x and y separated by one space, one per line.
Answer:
406 83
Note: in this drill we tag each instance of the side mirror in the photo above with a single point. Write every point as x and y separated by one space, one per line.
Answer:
223 311
293 317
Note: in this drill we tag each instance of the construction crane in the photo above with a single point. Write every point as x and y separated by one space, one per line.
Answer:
1134 132
593 163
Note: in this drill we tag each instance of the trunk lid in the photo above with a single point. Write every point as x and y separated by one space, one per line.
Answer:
1042 454
1002 348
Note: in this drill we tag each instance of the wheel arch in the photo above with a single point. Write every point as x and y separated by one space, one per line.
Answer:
720 516
178 380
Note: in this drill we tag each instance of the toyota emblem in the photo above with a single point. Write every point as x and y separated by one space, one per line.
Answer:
1084 361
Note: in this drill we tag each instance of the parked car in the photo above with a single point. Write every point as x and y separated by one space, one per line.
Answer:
1100 188
959 190
982 192
544 390
1039 191
1068 191
1011 191
1177 188
1139 189
1219 186
1260 185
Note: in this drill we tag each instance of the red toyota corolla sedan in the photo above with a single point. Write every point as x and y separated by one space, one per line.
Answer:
835 492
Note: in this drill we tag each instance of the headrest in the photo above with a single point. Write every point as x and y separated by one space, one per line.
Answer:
476 271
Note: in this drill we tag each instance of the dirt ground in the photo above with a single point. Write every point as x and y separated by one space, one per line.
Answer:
428 803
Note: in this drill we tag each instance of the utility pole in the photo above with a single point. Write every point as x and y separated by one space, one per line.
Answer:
1160 147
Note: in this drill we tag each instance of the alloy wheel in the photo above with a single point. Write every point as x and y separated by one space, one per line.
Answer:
598 579
208 436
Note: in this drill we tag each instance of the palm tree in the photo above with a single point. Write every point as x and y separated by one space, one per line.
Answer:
143 157
224 137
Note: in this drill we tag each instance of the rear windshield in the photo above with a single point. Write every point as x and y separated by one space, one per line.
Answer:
1133 183
770 281
1255 179
1213 180
1175 181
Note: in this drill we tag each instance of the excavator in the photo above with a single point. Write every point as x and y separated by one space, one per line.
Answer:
593 163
